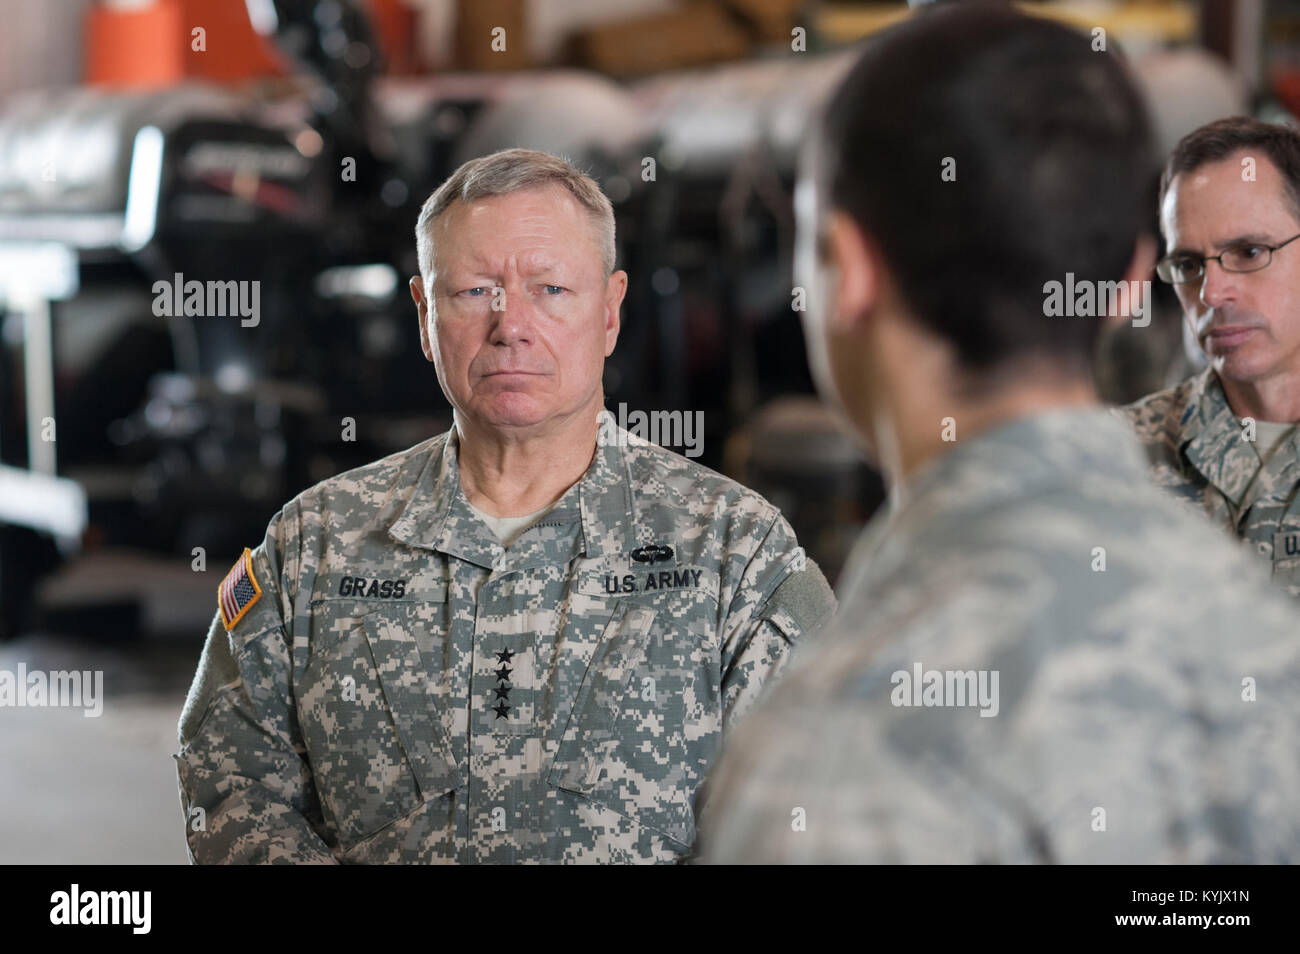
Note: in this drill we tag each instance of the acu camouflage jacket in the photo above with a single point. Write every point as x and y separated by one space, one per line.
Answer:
383 682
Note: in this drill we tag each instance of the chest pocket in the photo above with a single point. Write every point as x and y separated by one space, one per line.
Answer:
645 723
368 711
1286 560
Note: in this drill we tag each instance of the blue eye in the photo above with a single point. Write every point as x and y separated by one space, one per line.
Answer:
556 291
471 292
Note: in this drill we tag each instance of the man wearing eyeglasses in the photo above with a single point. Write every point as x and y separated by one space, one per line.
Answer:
1225 439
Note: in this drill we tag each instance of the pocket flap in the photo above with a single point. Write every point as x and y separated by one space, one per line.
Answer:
405 683
589 734
591 738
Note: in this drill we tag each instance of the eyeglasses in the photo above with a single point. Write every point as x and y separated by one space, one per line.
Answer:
1242 257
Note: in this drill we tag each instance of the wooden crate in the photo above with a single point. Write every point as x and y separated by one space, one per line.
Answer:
698 34
475 21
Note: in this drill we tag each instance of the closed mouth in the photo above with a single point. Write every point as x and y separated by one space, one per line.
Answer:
1226 333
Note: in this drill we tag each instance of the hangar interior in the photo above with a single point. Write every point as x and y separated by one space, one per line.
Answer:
274 154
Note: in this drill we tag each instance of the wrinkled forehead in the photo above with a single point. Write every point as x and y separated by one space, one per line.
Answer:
538 226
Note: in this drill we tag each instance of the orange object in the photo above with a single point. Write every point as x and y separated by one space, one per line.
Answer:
397 31
174 40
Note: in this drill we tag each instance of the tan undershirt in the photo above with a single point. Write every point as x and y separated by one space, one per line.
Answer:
1269 436
509 529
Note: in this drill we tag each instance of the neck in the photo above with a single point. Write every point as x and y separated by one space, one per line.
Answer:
914 430
1275 398
510 473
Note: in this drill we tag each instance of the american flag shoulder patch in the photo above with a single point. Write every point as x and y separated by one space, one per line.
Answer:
238 591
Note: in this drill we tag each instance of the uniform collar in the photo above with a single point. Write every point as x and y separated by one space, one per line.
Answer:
1046 449
1210 437
1065 449
438 517
609 504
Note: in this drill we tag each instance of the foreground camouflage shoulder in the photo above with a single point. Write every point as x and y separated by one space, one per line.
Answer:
1042 660
448 699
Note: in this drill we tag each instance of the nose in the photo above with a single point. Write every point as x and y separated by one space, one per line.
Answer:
1218 287
513 315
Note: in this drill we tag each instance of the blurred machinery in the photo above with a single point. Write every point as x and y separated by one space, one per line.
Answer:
179 430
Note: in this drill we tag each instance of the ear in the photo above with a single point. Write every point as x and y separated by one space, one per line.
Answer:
615 289
1143 265
1139 274
857 266
422 309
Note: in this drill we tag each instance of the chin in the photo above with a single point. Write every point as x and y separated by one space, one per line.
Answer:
1245 367
512 410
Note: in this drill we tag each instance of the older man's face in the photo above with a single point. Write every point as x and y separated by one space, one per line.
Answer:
519 316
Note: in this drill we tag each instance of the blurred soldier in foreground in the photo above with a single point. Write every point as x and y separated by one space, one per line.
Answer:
1225 439
517 641
1038 657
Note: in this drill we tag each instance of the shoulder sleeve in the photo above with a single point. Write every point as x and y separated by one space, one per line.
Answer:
245 784
782 596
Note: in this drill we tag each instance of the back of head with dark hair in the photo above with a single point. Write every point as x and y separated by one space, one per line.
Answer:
1226 137
1053 163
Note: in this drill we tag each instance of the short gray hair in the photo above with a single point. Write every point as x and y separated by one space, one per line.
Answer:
512 170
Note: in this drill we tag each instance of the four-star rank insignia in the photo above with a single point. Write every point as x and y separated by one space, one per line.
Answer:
502 709
238 591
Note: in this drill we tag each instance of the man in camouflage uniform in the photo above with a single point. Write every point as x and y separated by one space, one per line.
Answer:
1225 439
518 641
1038 656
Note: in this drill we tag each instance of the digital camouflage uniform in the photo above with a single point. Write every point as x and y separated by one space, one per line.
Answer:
1198 451
1120 689
405 690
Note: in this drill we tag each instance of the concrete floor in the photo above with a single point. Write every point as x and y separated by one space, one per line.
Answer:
78 790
